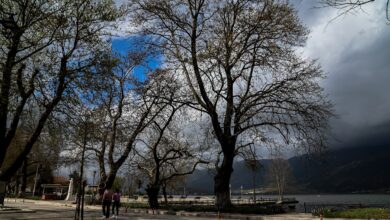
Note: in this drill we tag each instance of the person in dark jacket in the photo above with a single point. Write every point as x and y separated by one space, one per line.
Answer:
106 203
116 199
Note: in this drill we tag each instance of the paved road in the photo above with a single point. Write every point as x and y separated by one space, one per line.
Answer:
47 211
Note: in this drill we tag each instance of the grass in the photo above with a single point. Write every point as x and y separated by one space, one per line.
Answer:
244 209
363 213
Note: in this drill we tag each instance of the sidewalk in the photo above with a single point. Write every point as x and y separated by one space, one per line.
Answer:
199 215
61 203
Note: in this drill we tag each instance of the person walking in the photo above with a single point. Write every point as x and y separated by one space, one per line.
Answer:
116 198
106 203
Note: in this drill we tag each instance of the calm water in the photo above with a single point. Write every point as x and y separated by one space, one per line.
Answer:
366 199
337 200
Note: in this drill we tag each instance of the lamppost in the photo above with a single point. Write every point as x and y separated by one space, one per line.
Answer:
93 189
36 179
79 214
240 192
94 174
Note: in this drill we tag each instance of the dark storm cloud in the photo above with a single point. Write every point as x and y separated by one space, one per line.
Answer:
354 51
359 83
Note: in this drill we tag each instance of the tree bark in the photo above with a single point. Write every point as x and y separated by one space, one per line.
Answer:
221 183
152 191
111 178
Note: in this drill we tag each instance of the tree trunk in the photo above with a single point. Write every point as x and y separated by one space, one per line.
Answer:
5 84
164 191
110 179
221 183
152 191
17 184
24 178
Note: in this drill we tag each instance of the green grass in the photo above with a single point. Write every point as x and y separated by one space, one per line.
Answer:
244 209
363 213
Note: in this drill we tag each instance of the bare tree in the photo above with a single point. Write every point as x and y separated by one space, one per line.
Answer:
280 174
349 6
253 163
44 45
237 59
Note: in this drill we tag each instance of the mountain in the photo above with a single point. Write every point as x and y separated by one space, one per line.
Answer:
360 169
345 170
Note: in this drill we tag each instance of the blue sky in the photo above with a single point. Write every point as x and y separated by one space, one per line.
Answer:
122 45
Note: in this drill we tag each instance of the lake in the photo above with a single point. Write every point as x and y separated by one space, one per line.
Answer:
335 200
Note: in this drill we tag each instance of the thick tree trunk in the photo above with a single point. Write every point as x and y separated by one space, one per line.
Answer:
110 179
221 183
5 84
152 191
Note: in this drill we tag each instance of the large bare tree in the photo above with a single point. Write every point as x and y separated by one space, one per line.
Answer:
44 45
238 61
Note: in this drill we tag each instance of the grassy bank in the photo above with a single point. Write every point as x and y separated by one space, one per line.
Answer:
243 209
362 213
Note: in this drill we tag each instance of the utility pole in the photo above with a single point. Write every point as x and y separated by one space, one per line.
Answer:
94 174
79 214
94 188
254 174
36 179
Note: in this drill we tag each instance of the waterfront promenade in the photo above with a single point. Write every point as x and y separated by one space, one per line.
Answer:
62 210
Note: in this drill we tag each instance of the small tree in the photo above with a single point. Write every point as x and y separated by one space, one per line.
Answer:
252 162
280 172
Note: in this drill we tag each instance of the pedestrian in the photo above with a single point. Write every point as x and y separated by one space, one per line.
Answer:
116 199
106 203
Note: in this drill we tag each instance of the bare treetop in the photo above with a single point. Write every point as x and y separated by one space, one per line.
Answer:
349 6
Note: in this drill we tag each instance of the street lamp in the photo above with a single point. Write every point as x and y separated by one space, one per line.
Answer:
94 174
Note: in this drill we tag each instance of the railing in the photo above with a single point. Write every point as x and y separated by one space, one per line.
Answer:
316 208
208 200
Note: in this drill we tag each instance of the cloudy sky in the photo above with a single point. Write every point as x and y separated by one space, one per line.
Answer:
354 51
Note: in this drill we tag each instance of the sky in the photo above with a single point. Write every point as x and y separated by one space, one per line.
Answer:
123 44
354 52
